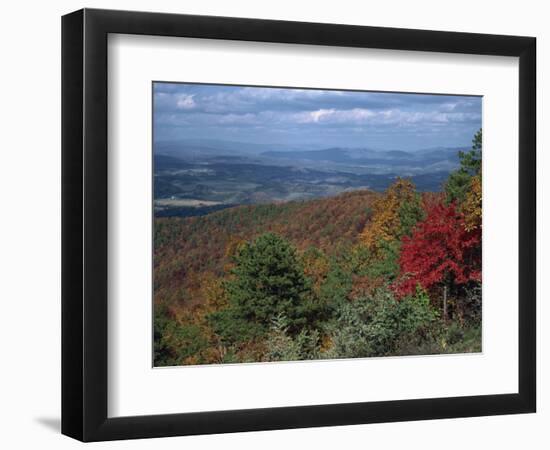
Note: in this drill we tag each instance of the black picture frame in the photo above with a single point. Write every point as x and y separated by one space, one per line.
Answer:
84 224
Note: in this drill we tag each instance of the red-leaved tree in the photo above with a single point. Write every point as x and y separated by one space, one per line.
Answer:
440 252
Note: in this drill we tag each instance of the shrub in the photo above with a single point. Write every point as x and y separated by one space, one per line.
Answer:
175 342
283 347
378 325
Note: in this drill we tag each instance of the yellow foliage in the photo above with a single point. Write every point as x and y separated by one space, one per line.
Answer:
213 292
472 205
234 244
326 343
316 267
232 248
385 224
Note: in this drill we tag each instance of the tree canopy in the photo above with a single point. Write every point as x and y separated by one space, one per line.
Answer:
441 250
267 281
460 180
355 275
393 216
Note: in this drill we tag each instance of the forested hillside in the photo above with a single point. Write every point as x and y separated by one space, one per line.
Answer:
355 275
188 248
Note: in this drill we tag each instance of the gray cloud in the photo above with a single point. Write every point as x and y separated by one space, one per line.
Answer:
345 118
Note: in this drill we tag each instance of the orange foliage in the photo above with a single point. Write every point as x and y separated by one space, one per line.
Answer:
316 267
472 205
213 292
188 249
386 223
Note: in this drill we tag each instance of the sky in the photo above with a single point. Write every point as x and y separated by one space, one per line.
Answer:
313 118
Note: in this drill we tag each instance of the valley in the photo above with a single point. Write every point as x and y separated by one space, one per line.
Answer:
194 180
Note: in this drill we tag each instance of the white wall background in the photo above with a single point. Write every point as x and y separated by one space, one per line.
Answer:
30 224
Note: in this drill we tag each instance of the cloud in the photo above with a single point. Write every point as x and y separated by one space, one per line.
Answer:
256 114
184 101
358 116
234 119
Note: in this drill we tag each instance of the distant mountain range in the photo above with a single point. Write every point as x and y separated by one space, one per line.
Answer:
191 147
417 161
197 177
365 156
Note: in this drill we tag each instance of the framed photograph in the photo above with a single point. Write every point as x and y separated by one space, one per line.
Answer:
273 224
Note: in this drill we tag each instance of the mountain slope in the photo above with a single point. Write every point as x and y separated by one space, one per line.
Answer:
189 249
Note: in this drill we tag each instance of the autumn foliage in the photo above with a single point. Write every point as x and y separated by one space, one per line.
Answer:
440 250
354 275
187 250
392 216
472 205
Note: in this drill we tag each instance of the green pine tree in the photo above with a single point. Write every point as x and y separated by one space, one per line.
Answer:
268 281
460 180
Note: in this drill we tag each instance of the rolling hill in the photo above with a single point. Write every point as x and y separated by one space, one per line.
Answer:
214 182
189 249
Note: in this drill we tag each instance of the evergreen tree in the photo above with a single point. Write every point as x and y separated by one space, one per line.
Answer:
460 180
267 281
